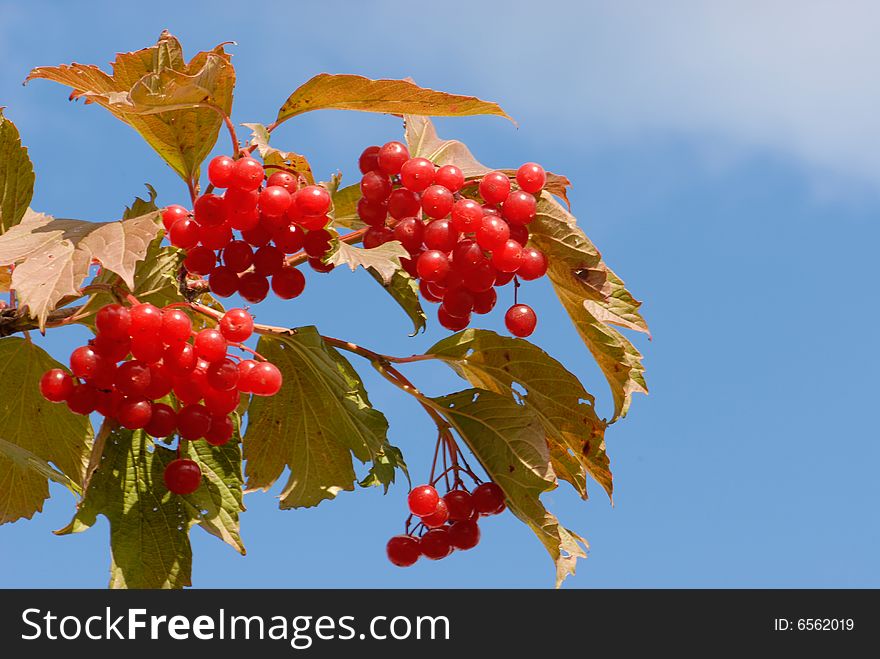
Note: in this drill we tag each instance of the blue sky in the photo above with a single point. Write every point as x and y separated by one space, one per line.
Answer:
725 159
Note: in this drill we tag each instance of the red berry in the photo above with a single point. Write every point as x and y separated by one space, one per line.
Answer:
237 325
467 215
450 322
220 171
193 421
369 159
423 500
403 550
220 431
494 187
485 301
417 174
425 289
441 235
534 264
184 233
222 375
253 287
182 476
488 499
56 385
312 200
241 201
493 232
375 187
520 320
171 214
458 302
376 236
238 256
319 266
438 517
244 367
450 177
410 264
404 203
508 256
467 255
200 260
268 260
190 388
86 363
163 421
216 237
504 278
391 157
210 345
176 326
519 208
180 358
82 399
317 243
113 321
161 382
288 283
531 177
247 175
264 379
134 413
223 281
433 266
460 504
435 544
314 222
519 233
210 210
410 232
147 348
106 402
289 239
285 179
221 402
145 319
464 534
259 236
371 213
244 220
133 378
481 277
437 201
274 200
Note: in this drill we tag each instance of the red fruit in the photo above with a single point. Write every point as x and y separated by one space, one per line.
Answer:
481 277
82 399
56 385
163 421
375 187
190 388
450 322
268 260
314 222
179 359
113 321
147 348
161 382
425 289
467 255
433 266
113 350
450 177
274 200
133 378
171 214
210 345
284 179
467 215
223 281
460 504
441 235
182 476
519 208
376 236
417 174
504 278
458 302
403 550
220 171
222 375
264 379
210 210
317 243
493 232
237 325
534 264
145 319
106 402
519 233
238 256
193 421
288 283
259 236
86 363
494 187
488 499
437 201
220 403
520 320
247 175
507 257
216 237
184 233
134 413
410 264
220 431
391 157
176 326
423 500
200 260
312 200
371 213
485 301
410 232
253 287
464 534
435 544
289 238
404 203
244 367
438 517
319 266
491 210
244 220
369 159
241 201
531 177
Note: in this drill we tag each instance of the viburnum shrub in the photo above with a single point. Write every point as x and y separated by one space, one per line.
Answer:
195 404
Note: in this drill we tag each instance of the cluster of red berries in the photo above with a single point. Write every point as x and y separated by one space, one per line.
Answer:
141 355
274 221
449 522
460 248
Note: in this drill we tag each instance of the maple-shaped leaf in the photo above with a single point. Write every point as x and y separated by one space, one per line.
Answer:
384 260
53 257
574 433
16 175
176 106
273 157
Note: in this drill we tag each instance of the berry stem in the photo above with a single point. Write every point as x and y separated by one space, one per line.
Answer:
351 238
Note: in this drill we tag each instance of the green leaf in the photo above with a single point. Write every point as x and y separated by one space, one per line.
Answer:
573 431
594 297
28 461
509 442
345 207
176 106
321 416
16 175
149 526
384 260
53 257
352 92
274 157
40 432
405 292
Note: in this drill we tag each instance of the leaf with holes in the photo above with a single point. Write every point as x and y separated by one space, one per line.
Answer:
384 260
273 157
574 433
53 257
16 175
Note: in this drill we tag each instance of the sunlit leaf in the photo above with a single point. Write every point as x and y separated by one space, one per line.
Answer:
16 175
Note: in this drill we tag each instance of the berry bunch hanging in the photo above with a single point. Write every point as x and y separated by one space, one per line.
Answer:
465 239
147 369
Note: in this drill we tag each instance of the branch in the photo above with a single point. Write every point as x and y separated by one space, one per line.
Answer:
12 320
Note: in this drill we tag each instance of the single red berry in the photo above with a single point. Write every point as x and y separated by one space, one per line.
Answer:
210 210
314 222
217 237
244 367
285 179
220 431
433 265
493 233
404 203
488 499
237 325
441 235
450 322
56 385
147 348
134 413
460 504
241 201
163 421
438 517
272 223
264 379
458 302
82 399
508 256
519 233
289 239
113 321
259 236
417 174
481 277
450 177
220 403
268 260
220 171
86 363
312 200
180 358
113 350
428 292
317 243
410 265
467 255
193 421
210 345
274 200
171 214
464 534
184 233
520 320
133 378
494 187
531 177
467 215
504 278
485 301
410 231
247 175
145 319
176 326
319 266
238 256
288 283
376 236
222 375
423 500
253 287
182 476
244 220
375 187
534 264
223 281
435 544
403 550
372 213
391 157
369 159
161 382
200 260
106 402
190 388
519 208
437 201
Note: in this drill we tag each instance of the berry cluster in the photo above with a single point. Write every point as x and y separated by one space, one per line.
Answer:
274 220
461 245
448 522
143 354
